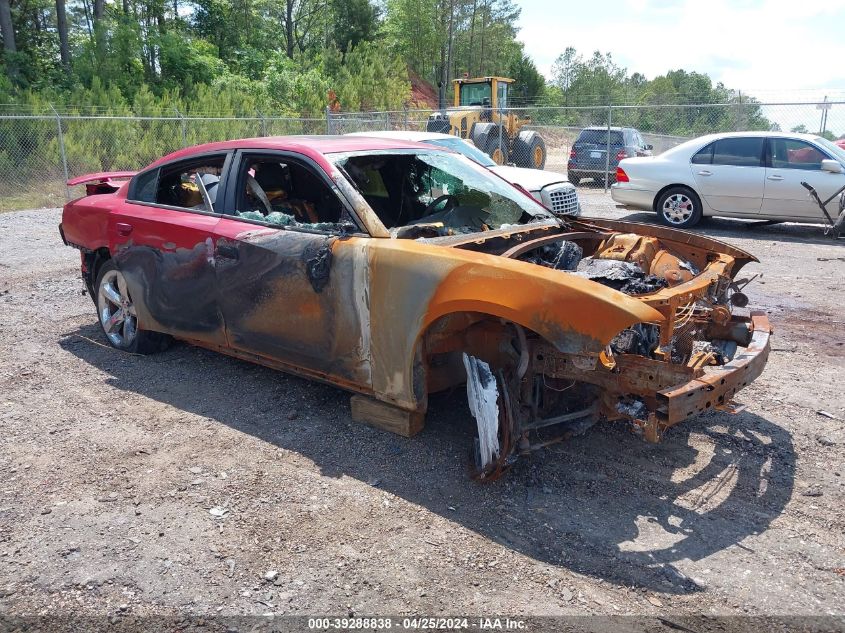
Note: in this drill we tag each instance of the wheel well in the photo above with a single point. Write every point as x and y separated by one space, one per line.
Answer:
93 262
668 187
478 334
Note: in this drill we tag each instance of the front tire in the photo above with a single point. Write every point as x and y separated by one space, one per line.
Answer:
497 149
679 207
118 317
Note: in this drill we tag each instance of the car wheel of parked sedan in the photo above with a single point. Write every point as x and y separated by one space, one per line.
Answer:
118 317
679 207
575 180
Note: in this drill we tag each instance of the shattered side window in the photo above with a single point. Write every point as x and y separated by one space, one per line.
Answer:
438 189
283 193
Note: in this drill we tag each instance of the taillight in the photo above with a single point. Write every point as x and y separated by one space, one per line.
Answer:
621 176
572 153
620 154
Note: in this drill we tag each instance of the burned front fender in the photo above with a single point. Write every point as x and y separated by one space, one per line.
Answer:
575 315
412 285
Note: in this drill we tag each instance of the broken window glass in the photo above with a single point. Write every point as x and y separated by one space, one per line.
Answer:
407 187
282 192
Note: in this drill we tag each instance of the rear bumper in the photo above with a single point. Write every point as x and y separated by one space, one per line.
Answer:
718 384
591 172
636 198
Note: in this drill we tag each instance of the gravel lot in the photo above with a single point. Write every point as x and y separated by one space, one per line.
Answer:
114 469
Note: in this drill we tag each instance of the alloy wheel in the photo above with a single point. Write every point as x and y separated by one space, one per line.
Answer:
678 208
117 313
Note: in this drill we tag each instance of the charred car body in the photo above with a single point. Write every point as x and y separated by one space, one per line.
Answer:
396 270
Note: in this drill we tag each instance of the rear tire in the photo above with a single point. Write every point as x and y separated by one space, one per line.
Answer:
679 207
575 180
117 315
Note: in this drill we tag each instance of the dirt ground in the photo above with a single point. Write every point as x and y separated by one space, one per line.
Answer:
190 484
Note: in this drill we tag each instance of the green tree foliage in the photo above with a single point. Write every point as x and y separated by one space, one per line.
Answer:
529 84
166 55
588 85
296 57
444 39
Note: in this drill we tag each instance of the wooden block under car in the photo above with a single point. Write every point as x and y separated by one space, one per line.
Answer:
386 417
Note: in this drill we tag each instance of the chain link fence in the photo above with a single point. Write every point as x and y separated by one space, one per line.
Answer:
39 153
587 143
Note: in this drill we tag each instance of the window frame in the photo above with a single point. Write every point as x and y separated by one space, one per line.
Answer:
465 103
243 156
222 186
502 91
771 139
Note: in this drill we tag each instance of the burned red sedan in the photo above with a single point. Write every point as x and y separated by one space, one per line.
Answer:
396 270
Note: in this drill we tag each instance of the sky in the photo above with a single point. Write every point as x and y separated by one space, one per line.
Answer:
776 50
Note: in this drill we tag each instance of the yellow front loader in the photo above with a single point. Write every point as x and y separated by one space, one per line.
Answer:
481 114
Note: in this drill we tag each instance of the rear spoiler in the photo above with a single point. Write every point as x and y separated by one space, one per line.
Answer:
101 182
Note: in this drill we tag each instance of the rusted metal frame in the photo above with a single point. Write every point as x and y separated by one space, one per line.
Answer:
668 300
632 375
716 385
678 236
539 423
693 289
530 245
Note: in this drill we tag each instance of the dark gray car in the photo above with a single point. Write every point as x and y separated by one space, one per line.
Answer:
588 157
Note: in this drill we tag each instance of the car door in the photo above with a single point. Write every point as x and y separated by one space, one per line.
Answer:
791 162
291 267
729 174
161 237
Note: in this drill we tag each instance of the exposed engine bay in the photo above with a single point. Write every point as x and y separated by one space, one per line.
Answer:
654 375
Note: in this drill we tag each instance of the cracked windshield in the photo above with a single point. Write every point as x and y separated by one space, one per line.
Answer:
444 192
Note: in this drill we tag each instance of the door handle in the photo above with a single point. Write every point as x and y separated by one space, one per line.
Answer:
775 177
704 172
227 251
123 229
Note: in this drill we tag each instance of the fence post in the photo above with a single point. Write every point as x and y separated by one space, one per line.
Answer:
328 120
184 129
263 123
405 106
607 153
62 150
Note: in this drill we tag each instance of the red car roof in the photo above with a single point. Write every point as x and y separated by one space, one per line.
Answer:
315 147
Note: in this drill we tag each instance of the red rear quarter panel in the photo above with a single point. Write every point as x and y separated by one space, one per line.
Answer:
85 221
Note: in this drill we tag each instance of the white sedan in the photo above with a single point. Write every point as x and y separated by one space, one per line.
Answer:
549 188
753 175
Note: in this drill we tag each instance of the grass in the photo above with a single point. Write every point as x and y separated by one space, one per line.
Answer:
43 195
